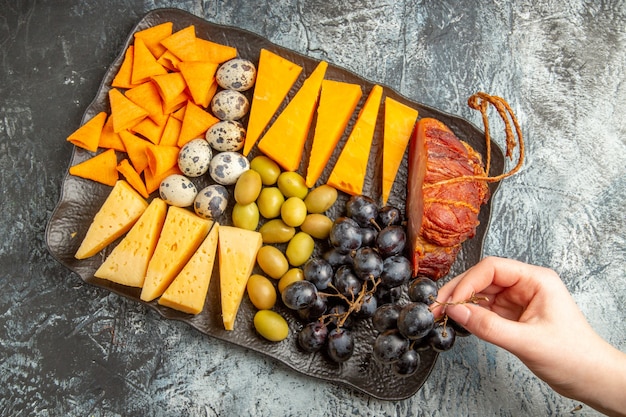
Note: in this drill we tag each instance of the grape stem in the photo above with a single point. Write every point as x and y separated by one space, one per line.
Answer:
354 304
473 299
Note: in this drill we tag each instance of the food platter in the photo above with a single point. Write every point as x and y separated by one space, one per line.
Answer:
80 199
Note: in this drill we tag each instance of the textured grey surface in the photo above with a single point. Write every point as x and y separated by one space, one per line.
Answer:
67 348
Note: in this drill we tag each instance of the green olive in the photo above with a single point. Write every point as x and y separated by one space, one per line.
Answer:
293 211
261 292
272 261
248 187
293 275
317 225
299 249
320 199
268 169
276 231
246 216
271 325
292 184
269 201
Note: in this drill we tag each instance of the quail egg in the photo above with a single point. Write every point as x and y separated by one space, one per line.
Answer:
194 157
237 74
227 135
177 190
229 105
226 167
211 201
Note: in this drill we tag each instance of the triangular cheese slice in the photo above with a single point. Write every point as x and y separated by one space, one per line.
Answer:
351 167
101 168
399 123
337 103
88 135
187 293
237 256
284 141
275 77
181 235
116 216
128 262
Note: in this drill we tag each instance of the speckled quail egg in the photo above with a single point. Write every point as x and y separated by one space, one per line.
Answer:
227 135
194 157
237 74
177 190
211 201
226 167
229 105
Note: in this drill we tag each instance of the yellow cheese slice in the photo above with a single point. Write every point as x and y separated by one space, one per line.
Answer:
351 167
275 77
337 103
285 139
181 235
188 291
237 251
128 262
399 123
118 213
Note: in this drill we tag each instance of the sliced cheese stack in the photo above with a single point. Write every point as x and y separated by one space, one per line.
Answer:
237 250
275 77
284 141
399 123
336 105
182 234
118 213
187 293
349 172
128 262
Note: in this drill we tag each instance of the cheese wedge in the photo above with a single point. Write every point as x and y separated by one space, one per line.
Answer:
187 293
181 235
337 103
351 167
237 251
128 262
284 141
275 77
399 123
118 213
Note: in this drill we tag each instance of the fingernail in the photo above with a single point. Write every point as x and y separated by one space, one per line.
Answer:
459 313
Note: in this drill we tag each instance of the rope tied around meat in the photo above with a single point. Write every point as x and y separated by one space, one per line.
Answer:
480 101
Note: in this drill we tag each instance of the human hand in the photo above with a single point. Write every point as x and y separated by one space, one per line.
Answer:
528 311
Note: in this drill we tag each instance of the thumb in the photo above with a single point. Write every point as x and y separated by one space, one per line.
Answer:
486 325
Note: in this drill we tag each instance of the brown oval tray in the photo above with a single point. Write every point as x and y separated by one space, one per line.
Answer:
80 199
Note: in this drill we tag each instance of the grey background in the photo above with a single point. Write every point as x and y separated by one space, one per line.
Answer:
67 348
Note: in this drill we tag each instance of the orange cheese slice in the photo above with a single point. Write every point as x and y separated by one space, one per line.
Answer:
285 139
237 250
128 262
351 167
187 293
275 77
399 123
116 216
180 237
337 103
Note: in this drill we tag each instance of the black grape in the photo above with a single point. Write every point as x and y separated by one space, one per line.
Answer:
415 320
313 336
340 344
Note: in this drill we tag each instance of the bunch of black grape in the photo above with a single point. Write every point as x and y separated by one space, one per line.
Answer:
406 329
364 268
